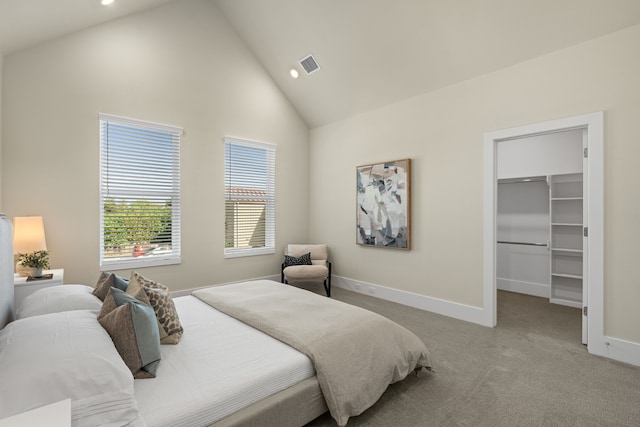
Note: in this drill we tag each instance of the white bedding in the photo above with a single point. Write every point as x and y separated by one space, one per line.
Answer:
59 298
57 356
220 366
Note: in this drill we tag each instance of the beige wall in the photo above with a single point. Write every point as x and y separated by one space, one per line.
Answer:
179 64
442 132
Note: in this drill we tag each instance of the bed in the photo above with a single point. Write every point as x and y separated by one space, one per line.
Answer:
240 360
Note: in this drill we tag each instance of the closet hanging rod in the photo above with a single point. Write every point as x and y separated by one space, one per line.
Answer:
524 243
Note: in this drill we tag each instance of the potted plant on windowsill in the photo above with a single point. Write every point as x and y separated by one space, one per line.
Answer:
36 261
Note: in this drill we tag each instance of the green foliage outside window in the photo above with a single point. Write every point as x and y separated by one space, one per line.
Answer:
128 224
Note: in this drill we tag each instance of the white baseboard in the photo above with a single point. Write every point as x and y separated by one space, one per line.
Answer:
612 348
185 292
521 287
617 349
435 305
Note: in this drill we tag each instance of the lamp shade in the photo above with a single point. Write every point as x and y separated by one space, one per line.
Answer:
28 234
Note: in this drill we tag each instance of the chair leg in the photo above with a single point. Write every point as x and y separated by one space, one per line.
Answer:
327 281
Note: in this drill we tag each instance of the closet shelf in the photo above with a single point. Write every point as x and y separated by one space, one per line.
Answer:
566 219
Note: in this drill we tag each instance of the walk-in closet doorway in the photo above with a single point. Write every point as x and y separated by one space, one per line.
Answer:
543 217
540 218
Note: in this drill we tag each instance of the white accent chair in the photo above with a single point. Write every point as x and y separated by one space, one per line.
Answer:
319 270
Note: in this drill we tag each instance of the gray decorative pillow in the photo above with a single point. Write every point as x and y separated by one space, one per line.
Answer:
159 298
109 304
133 329
106 281
302 260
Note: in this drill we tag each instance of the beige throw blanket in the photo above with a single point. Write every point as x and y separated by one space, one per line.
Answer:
356 353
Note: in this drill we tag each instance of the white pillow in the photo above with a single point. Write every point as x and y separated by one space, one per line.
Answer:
48 358
59 298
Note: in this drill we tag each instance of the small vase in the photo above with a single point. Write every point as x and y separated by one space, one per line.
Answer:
36 272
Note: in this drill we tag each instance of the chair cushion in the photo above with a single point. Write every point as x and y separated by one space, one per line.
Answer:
318 252
306 272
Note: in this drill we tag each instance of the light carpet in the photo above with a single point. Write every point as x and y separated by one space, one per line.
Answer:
531 370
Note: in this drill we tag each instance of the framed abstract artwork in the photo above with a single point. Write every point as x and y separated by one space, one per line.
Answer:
383 216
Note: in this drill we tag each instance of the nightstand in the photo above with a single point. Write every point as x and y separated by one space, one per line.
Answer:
22 288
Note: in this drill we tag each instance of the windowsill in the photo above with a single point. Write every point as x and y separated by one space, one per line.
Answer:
238 253
138 263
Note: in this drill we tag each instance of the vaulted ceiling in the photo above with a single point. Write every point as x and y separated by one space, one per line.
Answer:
371 52
24 23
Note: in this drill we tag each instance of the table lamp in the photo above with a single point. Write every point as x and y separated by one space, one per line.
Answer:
28 237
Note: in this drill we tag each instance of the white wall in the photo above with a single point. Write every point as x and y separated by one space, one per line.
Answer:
179 64
1 59
552 154
443 133
522 215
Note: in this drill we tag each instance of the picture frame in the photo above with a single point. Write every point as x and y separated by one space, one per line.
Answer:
383 204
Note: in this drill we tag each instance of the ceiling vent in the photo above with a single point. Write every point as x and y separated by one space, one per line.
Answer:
309 64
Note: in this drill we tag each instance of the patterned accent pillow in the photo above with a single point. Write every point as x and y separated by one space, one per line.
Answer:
302 260
159 298
133 328
106 281
137 291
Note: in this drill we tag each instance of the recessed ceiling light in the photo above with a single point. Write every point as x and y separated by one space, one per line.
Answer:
106 2
294 73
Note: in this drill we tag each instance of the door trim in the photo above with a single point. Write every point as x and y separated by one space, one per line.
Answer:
594 124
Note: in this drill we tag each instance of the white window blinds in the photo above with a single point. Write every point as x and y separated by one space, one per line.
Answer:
249 197
139 193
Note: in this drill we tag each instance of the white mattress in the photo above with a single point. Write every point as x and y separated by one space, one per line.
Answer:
220 366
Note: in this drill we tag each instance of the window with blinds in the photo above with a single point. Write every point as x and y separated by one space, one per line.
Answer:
139 193
249 198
